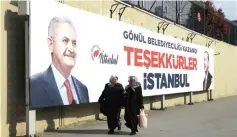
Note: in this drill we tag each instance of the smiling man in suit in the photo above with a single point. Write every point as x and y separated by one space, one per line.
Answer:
56 86
208 77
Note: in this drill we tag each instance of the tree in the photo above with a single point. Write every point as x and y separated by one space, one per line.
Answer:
216 19
211 18
222 25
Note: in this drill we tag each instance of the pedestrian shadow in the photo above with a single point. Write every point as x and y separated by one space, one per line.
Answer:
91 131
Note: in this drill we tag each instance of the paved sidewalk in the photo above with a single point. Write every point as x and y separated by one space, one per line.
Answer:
217 118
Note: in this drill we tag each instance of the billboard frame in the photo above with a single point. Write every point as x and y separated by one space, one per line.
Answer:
24 9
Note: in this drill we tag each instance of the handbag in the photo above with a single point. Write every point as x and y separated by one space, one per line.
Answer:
143 119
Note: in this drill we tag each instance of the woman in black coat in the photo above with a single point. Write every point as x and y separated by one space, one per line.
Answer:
134 102
112 99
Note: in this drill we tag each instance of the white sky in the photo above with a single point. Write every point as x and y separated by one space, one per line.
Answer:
229 7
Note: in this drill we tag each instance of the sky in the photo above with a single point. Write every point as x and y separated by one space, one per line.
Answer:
229 7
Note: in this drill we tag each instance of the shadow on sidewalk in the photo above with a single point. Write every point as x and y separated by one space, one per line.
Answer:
91 131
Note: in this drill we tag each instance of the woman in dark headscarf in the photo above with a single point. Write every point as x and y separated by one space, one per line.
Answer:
134 102
112 96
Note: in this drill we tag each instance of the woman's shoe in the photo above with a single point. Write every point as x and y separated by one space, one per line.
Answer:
132 133
111 132
119 126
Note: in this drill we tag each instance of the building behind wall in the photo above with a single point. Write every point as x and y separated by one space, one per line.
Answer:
13 66
190 14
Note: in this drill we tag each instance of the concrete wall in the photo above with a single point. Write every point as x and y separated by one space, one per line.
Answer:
12 70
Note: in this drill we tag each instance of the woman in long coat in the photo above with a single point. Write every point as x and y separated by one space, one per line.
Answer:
134 102
112 98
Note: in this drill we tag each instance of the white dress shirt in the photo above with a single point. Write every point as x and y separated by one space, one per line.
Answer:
61 87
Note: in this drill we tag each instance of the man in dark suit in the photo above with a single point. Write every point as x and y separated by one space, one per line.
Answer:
208 77
56 86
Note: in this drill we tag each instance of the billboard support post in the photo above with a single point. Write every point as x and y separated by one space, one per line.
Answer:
191 98
30 114
23 10
210 95
162 102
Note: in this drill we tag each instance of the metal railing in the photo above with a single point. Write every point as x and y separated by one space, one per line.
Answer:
190 14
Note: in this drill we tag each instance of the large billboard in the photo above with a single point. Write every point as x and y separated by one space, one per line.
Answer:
73 53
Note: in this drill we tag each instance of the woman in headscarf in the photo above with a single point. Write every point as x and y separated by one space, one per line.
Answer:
134 102
112 96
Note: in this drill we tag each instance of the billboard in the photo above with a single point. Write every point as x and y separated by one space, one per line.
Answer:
73 53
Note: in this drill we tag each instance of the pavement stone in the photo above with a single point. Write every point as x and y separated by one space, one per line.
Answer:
216 118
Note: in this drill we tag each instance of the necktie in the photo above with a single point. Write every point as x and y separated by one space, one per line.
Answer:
205 86
69 91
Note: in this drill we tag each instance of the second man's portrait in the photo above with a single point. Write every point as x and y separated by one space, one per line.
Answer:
208 77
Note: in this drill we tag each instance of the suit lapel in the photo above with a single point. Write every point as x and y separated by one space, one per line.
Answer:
51 87
209 79
204 83
78 91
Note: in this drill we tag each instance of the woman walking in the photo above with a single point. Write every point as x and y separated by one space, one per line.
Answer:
134 102
112 96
